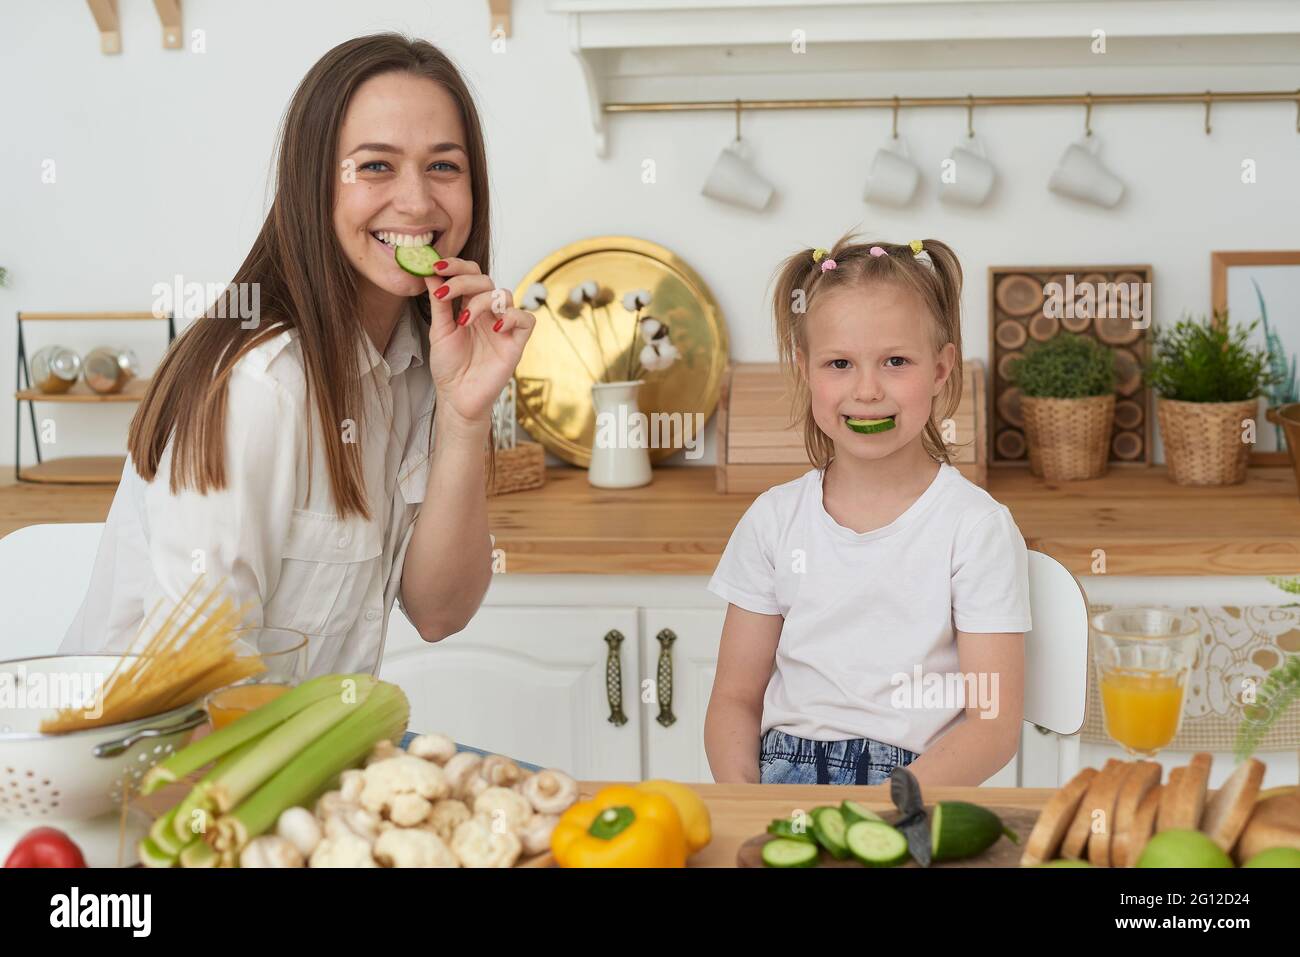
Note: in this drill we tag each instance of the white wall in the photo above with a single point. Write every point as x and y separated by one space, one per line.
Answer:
162 161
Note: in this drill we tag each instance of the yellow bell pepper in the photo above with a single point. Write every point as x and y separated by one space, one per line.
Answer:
691 808
620 827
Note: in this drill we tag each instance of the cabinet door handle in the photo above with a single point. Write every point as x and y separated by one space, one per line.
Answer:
614 679
664 678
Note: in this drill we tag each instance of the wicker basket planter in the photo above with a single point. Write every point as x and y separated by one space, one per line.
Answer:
1068 439
520 468
1203 440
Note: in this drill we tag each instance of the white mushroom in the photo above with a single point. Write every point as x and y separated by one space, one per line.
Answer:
432 747
413 848
497 769
460 769
477 844
299 827
382 751
351 783
535 835
269 850
475 786
524 778
344 848
505 808
403 788
550 791
353 819
444 817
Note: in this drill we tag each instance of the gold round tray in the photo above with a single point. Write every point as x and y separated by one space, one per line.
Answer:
553 399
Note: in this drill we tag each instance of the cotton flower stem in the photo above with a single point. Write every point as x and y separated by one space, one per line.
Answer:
559 325
600 343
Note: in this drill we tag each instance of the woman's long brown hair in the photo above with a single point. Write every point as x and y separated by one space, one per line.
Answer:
305 282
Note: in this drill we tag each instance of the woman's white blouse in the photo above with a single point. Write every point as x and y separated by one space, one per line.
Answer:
281 547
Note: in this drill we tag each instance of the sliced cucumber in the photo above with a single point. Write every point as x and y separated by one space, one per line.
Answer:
417 260
959 830
829 828
854 812
876 844
786 852
784 827
867 426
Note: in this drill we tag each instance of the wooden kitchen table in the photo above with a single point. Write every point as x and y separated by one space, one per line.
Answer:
741 811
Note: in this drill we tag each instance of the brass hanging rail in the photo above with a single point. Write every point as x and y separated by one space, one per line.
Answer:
905 102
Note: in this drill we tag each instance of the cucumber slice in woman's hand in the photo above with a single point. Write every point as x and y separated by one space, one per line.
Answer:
417 260
867 426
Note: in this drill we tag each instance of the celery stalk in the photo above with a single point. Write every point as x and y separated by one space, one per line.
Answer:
151 855
163 836
199 799
213 746
232 784
382 715
199 854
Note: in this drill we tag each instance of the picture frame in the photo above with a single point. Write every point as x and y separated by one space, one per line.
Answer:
1276 275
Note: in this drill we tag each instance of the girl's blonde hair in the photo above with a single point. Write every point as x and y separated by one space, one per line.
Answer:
800 281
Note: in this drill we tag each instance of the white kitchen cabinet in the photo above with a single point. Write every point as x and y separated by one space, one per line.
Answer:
527 677
528 682
676 750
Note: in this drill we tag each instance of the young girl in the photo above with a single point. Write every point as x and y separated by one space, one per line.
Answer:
327 457
878 603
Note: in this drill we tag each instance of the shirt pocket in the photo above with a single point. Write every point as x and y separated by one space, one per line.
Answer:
329 563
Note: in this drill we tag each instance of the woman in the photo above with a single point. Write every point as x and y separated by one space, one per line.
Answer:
290 456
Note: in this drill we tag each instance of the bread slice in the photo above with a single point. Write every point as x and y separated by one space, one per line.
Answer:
1140 781
1228 811
1076 838
1168 794
1188 802
1143 826
1275 822
1102 826
1045 839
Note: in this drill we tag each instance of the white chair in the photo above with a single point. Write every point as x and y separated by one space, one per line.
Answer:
44 574
1056 657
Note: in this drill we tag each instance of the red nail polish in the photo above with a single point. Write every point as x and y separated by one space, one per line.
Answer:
464 317
440 264
440 292
496 326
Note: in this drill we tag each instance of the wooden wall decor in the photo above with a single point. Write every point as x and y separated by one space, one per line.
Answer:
1021 310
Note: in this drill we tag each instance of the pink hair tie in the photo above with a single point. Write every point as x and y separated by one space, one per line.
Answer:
828 264
877 251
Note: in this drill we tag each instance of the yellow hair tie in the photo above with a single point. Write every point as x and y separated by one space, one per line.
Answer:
818 253
916 247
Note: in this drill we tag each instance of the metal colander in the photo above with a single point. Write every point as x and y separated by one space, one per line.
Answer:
79 775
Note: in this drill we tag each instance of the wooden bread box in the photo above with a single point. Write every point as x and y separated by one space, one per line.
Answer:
758 448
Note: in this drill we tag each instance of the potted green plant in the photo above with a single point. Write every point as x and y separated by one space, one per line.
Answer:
1067 397
1208 380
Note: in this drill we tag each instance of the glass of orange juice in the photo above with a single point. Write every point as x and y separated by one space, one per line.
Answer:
1143 657
283 652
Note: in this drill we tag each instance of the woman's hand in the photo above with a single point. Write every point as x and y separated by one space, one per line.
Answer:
472 356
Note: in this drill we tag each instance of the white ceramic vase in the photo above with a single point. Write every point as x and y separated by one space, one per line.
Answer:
620 457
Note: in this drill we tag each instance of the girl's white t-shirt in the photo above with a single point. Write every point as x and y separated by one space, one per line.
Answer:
870 618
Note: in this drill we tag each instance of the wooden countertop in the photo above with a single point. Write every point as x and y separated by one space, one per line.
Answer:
678 525
740 811
1146 524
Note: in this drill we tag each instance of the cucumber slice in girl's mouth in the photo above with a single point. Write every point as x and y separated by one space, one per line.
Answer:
417 260
867 426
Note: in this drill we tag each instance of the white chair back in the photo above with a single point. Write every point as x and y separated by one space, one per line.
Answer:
44 574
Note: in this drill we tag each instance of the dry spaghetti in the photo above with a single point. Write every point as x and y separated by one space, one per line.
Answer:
183 661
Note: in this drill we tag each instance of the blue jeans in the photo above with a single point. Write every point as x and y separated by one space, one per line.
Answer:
786 759
408 736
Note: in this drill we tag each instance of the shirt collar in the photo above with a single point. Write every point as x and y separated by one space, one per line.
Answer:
403 347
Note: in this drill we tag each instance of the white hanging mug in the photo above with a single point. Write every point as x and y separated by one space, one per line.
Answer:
973 175
734 180
1081 175
893 177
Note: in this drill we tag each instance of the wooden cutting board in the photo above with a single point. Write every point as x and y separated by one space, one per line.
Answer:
1002 854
